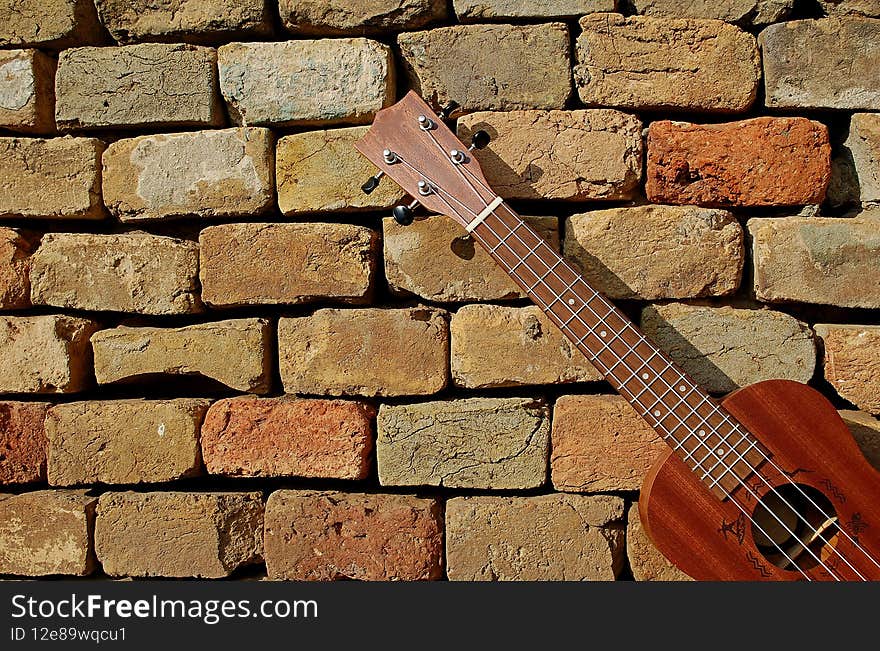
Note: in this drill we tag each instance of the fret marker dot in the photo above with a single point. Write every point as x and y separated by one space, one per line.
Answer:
657 412
603 334
571 301
702 432
645 376
720 451
682 388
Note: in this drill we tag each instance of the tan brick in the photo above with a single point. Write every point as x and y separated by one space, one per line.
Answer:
863 148
787 161
645 560
346 80
856 7
70 166
47 532
852 362
317 172
470 11
651 252
124 441
866 430
357 17
724 348
224 173
322 536
600 444
369 352
498 346
528 66
15 264
45 354
234 353
288 437
570 155
825 261
742 12
27 91
148 85
491 443
23 441
640 62
544 538
52 24
176 534
433 259
132 272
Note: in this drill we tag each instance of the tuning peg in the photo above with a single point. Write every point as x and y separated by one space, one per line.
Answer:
479 140
447 109
403 215
372 183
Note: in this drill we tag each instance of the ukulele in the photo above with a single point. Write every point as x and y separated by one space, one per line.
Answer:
767 484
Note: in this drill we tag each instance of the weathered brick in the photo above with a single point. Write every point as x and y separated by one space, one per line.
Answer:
642 62
322 536
857 7
222 173
177 534
433 259
369 352
645 560
724 348
570 155
492 443
27 91
148 85
357 17
499 346
195 21
866 430
528 67
600 444
15 264
234 353
863 147
131 272
69 166
811 64
247 264
787 161
45 354
288 437
23 441
544 538
469 11
47 532
742 12
652 252
52 24
852 362
344 80
124 441
315 171
826 261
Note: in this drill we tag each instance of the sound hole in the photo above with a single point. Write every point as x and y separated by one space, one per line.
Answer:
795 525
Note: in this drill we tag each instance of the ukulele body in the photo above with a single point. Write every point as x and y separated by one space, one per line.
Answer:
711 539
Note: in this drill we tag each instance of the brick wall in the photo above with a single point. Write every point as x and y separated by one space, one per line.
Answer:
219 358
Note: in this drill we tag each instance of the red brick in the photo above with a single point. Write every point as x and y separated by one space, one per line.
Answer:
22 442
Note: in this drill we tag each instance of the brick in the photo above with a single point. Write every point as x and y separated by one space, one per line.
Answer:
433 259
833 77
45 354
149 85
863 147
645 560
27 91
654 252
327 535
23 442
476 11
358 17
568 155
825 261
852 362
295 263
225 173
528 69
124 441
45 533
131 272
15 264
315 172
600 444
70 166
368 352
543 538
490 443
51 24
640 62
346 80
234 353
288 437
857 7
787 162
742 12
499 346
724 348
866 430
195 21
177 534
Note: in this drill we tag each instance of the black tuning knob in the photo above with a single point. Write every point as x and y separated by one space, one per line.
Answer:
447 109
480 139
403 215
372 183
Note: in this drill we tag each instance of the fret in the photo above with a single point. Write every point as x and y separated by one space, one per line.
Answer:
731 466
559 297
531 289
523 260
